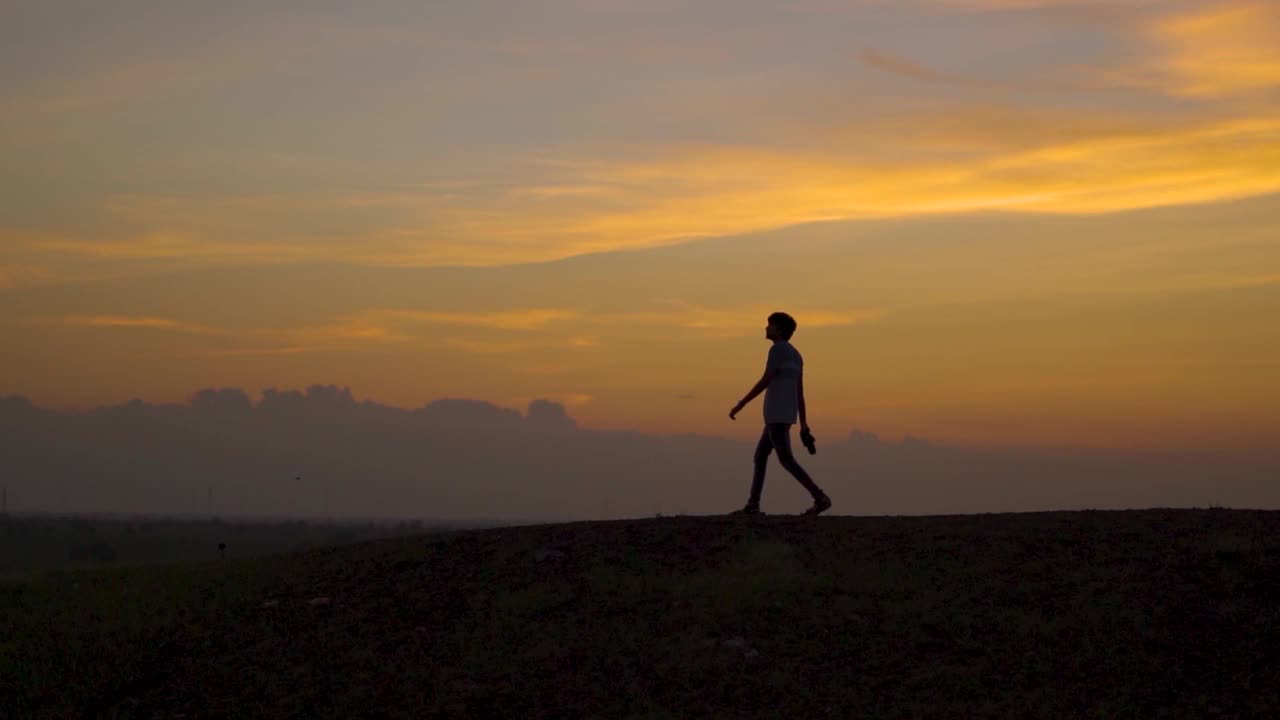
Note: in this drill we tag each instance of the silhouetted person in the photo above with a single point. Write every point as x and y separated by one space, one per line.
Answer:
783 387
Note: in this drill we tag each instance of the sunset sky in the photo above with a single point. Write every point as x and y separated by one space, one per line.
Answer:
998 222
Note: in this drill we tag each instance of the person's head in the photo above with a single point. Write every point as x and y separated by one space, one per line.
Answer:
781 327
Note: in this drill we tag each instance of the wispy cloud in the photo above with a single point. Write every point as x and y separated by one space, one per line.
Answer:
734 322
1224 50
522 330
272 41
728 190
262 352
855 7
522 319
555 191
1076 162
483 346
527 328
909 68
164 246
1032 4
1212 52
577 193
141 321
342 331
488 347
905 67
586 328
1098 162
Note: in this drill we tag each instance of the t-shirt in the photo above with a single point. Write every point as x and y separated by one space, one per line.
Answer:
782 397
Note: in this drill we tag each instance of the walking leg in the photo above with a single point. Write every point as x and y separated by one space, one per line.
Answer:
780 439
761 459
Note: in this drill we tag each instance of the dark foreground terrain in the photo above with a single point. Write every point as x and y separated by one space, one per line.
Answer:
31 544
1160 613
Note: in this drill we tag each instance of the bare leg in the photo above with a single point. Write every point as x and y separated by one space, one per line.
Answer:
780 440
763 449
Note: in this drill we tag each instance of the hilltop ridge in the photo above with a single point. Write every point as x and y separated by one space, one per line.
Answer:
1039 614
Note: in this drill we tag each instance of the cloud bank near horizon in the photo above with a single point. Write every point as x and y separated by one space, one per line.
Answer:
322 453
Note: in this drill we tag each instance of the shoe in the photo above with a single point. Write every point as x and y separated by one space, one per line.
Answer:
820 505
748 510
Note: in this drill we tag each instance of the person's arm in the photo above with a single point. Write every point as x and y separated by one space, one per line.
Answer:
758 388
804 421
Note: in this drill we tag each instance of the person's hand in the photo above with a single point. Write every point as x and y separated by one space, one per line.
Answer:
736 409
806 438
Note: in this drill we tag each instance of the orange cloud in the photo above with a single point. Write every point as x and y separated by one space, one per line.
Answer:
374 328
1097 164
1218 51
852 7
733 322
719 322
341 332
1073 165
523 319
137 321
1227 49
1028 4
166 245
722 191
338 334
262 352
553 191
487 347
570 200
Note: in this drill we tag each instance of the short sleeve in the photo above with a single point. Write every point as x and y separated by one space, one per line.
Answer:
776 357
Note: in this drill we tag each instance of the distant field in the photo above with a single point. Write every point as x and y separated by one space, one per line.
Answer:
38 543
1138 614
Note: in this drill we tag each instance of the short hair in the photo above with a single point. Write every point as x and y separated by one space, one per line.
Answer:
785 323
